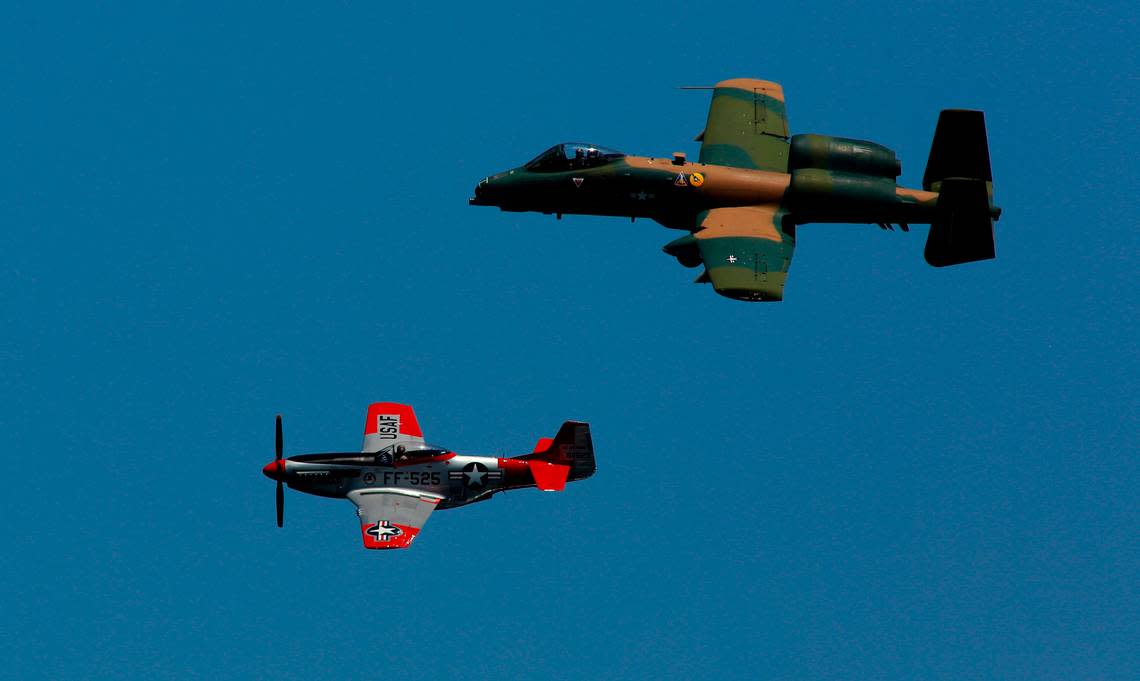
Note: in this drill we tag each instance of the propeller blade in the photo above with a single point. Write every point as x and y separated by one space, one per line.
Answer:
280 488
280 504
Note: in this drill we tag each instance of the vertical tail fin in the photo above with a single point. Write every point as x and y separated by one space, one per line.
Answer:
959 149
569 456
959 170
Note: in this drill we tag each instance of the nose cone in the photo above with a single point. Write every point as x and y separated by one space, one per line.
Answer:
274 470
482 193
491 190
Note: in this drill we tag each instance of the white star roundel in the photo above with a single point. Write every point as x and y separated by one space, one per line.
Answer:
384 531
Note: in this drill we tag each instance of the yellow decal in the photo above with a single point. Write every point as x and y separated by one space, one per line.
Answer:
696 179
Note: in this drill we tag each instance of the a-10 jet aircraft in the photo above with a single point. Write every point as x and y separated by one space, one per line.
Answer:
753 184
397 480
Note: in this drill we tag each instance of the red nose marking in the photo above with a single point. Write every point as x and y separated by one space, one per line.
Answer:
274 469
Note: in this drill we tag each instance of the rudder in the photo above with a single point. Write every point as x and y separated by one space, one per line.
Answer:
959 170
959 149
572 446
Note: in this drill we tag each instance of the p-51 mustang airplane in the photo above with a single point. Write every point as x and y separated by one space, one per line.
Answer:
397 480
753 184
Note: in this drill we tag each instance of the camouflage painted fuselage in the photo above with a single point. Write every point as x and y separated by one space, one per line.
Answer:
741 201
665 191
662 189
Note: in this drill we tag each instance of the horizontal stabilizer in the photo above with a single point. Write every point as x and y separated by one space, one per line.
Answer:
548 477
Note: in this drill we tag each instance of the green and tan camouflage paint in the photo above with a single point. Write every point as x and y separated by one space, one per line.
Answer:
742 199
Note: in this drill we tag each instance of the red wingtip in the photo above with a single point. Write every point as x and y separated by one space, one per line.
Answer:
386 535
405 417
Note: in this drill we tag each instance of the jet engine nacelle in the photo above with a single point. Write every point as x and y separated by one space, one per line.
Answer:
843 155
831 196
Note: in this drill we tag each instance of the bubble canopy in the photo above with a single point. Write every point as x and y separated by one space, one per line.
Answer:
572 156
409 450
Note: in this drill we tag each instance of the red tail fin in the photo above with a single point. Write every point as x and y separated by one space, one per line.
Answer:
569 455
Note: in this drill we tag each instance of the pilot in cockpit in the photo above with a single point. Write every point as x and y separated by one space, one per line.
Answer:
560 158
586 157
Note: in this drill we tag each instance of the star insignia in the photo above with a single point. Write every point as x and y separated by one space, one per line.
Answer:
384 531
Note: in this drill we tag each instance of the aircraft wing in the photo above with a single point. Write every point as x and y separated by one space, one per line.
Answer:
746 250
389 423
391 518
747 126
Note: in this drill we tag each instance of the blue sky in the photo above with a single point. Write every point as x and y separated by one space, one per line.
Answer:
214 215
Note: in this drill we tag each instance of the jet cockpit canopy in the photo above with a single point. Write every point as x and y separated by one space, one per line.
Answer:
572 156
